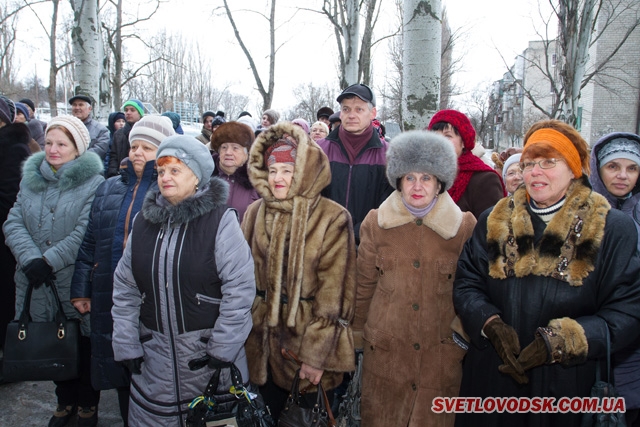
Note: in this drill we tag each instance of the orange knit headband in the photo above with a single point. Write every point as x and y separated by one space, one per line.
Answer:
559 142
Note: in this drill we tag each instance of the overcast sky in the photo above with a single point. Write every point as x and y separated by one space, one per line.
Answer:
487 27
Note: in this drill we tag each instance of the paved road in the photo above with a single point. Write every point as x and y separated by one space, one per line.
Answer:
31 404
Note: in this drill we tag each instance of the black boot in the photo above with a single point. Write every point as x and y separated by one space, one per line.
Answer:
88 416
62 416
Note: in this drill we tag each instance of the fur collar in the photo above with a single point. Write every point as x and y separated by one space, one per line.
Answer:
445 218
569 245
157 210
37 173
240 176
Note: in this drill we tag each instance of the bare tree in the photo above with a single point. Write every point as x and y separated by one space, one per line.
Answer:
87 47
121 28
481 109
309 99
580 24
8 32
266 94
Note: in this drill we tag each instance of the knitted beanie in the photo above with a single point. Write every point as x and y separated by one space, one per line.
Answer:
7 110
152 129
28 102
459 121
620 146
76 128
135 104
423 152
283 150
191 152
273 115
208 114
249 121
235 132
22 108
324 112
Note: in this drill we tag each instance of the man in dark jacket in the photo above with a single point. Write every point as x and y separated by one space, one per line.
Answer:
81 107
133 112
357 156
36 127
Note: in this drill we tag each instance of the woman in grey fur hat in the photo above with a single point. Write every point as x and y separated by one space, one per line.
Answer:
407 259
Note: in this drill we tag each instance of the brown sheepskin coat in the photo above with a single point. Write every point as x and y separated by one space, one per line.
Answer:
303 247
404 310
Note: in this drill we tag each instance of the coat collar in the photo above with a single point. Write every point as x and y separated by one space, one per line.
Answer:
37 173
567 248
445 218
157 210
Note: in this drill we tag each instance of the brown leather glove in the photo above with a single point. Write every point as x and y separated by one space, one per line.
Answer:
535 354
505 340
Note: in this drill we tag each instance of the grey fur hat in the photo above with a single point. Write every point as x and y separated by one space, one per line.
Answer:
422 151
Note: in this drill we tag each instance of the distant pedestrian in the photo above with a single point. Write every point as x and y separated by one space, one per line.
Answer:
133 112
81 107
36 127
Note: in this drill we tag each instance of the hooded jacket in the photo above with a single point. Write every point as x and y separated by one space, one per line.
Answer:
404 310
117 202
579 275
626 363
182 290
304 253
49 219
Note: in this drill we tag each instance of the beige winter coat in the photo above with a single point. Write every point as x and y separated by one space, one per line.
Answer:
404 309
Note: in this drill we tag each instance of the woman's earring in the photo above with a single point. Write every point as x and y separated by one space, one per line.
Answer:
196 187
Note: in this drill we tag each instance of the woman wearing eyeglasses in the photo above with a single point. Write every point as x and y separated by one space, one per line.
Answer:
546 272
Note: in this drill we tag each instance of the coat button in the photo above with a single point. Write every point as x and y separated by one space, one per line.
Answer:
419 222
48 242
414 387
52 210
416 264
416 346
416 307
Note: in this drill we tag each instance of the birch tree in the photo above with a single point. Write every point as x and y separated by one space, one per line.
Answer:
87 48
422 33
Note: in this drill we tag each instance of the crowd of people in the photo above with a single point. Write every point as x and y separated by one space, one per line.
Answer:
182 254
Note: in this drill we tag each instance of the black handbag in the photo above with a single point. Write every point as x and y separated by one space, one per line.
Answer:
238 408
42 351
602 389
295 414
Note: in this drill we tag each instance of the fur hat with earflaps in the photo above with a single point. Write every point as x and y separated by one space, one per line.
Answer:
422 151
235 132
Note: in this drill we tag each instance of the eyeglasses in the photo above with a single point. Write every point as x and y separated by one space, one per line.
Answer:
544 164
513 173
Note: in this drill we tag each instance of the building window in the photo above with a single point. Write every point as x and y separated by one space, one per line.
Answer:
554 58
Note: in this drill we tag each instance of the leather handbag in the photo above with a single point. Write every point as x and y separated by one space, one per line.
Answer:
296 414
602 389
42 351
239 407
349 410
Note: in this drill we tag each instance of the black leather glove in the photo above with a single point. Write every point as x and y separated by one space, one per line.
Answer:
505 340
535 354
133 365
209 361
38 272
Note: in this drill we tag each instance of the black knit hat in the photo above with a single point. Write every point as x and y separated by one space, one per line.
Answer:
29 103
324 112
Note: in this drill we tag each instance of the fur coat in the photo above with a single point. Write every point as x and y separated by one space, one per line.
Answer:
404 309
304 252
577 275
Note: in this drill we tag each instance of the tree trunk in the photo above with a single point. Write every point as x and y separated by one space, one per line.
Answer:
117 60
86 47
421 61
350 31
53 68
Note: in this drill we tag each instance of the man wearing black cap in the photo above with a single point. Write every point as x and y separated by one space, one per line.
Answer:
81 107
36 127
357 156
323 115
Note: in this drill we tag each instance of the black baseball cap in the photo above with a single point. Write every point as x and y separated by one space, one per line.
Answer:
84 98
363 92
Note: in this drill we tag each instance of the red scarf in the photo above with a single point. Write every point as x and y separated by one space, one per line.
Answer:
468 163
352 143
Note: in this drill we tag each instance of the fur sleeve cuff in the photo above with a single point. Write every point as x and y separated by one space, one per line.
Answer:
574 348
328 345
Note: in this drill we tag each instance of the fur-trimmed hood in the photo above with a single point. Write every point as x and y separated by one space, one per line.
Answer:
569 245
445 218
156 209
311 173
37 173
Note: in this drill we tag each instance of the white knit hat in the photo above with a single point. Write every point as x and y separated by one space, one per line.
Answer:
76 128
152 129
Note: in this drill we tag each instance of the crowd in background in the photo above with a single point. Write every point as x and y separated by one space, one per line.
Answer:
451 275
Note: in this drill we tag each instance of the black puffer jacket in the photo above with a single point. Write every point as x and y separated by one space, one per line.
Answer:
117 199
119 149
